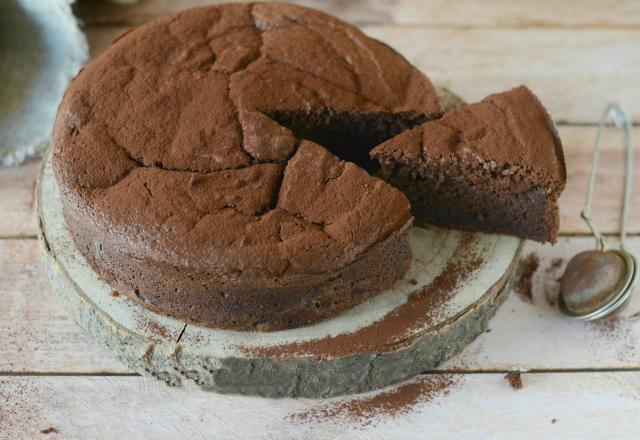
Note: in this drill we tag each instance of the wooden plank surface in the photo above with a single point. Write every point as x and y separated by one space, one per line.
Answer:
577 58
550 405
463 13
528 332
570 70
17 204
575 72
35 333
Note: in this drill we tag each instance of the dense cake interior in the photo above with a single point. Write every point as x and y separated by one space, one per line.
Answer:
474 196
492 166
349 135
458 189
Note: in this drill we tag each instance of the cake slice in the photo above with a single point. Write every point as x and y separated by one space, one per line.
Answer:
493 166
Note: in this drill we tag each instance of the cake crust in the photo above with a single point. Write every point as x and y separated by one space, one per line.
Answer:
182 189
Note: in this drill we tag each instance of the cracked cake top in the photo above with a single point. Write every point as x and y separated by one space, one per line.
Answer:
168 141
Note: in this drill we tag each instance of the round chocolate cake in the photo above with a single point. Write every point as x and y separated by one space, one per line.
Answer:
214 165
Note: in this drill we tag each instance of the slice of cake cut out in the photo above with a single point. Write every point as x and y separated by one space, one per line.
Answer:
492 166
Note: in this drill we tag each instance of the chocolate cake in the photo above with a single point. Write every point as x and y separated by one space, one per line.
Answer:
494 166
213 165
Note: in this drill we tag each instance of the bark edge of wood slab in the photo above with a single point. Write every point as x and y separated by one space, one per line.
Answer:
291 362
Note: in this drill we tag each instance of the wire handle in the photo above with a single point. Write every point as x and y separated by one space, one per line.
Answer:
621 120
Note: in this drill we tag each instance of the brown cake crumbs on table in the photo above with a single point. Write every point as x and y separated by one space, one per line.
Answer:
115 294
368 410
50 430
515 380
524 281
554 421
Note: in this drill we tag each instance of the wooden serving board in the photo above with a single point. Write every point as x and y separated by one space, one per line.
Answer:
456 282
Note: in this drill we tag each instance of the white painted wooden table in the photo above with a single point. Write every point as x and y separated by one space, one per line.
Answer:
581 380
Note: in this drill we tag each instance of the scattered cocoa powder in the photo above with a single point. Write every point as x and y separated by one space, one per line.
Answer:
22 402
620 334
552 277
368 410
515 380
158 329
608 326
524 283
50 430
556 264
421 309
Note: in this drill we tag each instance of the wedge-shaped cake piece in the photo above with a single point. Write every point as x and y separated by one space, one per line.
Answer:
494 166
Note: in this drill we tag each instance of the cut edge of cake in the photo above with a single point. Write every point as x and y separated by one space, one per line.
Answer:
492 166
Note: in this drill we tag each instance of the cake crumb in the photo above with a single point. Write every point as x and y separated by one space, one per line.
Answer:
515 380
115 293
554 421
50 430
413 281
524 283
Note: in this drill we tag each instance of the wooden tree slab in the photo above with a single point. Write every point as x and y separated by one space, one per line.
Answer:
357 351
456 282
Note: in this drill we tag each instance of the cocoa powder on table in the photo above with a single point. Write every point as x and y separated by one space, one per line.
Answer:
524 281
361 411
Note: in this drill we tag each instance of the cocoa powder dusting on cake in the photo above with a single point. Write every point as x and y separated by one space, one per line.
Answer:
420 310
369 410
524 281
515 380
